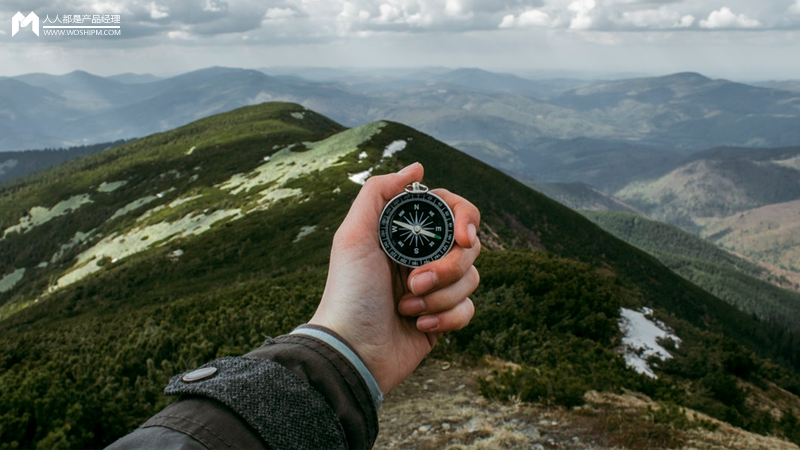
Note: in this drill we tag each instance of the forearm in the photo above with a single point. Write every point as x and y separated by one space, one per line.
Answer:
295 391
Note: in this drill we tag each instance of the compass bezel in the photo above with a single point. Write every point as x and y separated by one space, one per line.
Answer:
390 243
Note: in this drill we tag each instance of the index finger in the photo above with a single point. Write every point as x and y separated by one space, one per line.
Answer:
466 215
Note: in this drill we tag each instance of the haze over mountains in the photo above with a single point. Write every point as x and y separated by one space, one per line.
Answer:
125 267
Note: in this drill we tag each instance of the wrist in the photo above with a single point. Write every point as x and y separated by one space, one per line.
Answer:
340 344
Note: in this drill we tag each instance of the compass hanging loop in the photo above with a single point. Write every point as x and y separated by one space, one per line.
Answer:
416 188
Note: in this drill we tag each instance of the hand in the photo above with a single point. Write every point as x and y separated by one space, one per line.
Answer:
391 324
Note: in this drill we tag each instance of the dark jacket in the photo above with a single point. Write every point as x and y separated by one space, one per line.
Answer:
305 390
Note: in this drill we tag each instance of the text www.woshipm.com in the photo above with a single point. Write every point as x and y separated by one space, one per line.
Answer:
82 32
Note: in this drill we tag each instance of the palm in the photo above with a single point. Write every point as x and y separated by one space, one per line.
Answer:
373 286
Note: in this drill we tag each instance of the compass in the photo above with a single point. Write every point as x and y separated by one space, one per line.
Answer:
416 227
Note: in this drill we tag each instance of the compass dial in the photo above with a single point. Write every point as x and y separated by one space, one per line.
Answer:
416 228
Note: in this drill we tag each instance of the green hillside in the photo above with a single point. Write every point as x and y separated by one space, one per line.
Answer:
128 266
735 280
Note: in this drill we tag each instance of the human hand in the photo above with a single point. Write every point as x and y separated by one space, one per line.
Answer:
391 324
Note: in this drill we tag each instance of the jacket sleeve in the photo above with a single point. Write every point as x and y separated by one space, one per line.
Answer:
307 389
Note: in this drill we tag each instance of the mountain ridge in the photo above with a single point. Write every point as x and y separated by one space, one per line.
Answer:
239 192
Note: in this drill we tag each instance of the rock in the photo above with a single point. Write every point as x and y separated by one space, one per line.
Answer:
532 433
424 429
445 426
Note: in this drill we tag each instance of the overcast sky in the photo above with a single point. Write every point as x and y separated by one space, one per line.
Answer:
735 39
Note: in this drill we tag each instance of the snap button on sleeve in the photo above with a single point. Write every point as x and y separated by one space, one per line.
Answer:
199 374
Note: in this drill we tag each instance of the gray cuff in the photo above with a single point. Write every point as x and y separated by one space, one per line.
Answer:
340 346
283 409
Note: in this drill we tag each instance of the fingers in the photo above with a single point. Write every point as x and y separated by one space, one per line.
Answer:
443 272
453 319
467 217
442 299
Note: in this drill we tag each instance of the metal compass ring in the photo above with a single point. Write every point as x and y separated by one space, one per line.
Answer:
416 188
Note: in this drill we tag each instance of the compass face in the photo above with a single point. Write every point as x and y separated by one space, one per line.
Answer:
416 228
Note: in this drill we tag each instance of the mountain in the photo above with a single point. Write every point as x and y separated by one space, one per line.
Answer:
134 78
558 130
127 266
769 233
26 115
86 92
718 183
785 85
740 198
731 278
15 165
692 111
479 80
580 196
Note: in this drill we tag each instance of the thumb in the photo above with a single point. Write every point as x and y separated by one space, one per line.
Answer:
366 209
380 189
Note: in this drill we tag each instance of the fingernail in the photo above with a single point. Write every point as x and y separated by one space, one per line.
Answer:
472 233
423 283
407 168
428 323
412 306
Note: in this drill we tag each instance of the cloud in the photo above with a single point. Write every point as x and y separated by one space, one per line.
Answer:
215 6
529 18
795 8
279 14
661 18
181 35
583 19
428 15
158 11
724 18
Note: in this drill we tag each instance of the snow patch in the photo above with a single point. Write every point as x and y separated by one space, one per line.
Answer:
362 156
175 255
305 231
191 150
273 195
111 187
39 215
79 238
183 200
269 179
393 148
298 115
118 246
640 336
360 177
132 206
10 280
266 159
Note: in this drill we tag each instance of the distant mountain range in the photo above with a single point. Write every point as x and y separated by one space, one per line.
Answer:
630 144
685 111
741 198
122 268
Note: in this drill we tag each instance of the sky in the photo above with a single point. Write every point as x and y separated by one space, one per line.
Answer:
742 40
